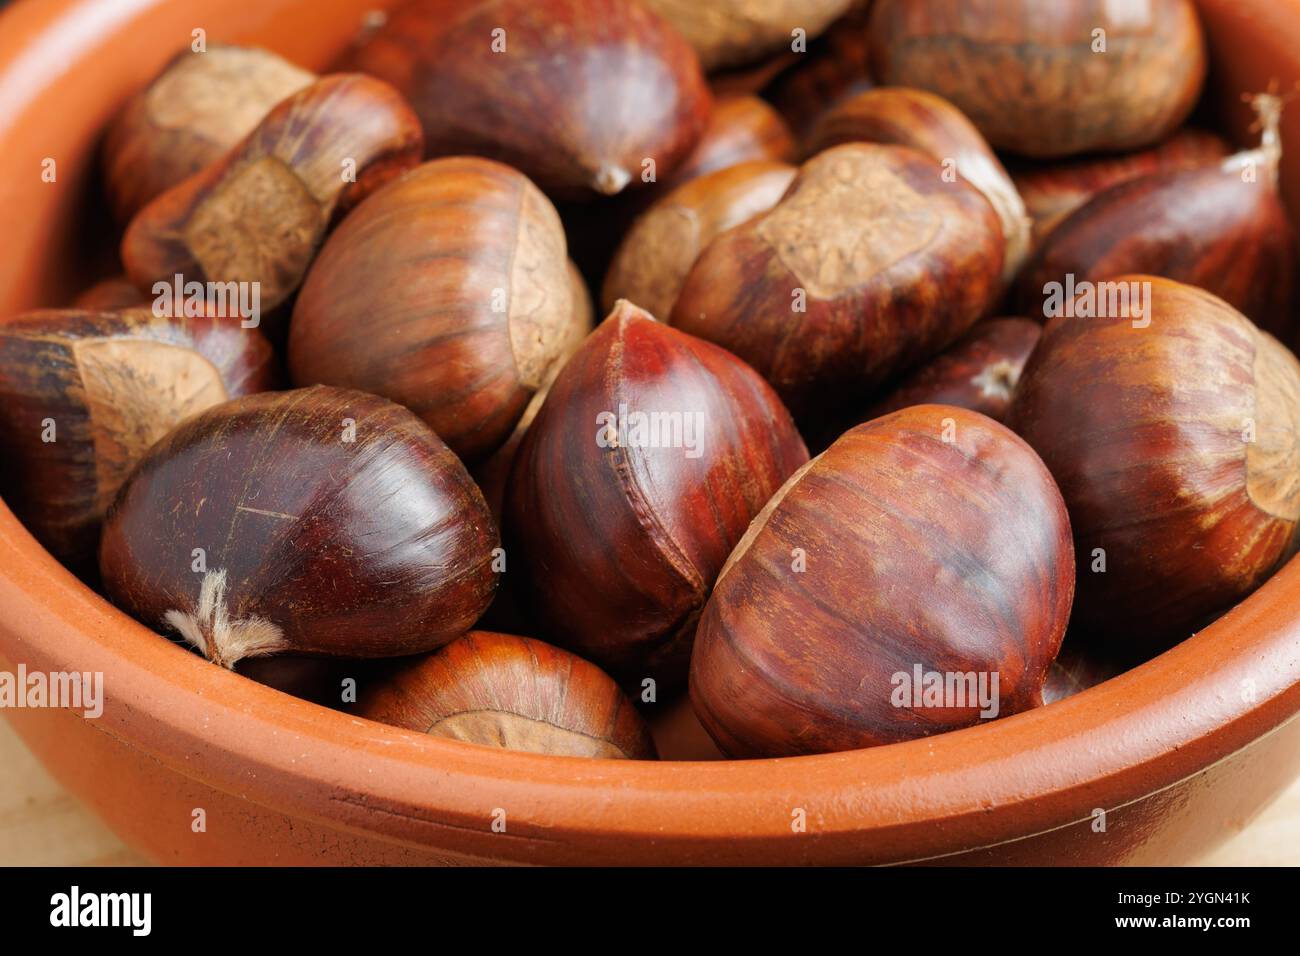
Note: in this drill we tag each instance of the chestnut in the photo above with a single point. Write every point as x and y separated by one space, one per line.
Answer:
740 129
320 522
576 94
648 458
197 109
259 214
926 547
514 693
658 251
1170 425
734 32
979 371
448 292
1053 191
84 394
870 264
1221 227
1049 78
932 125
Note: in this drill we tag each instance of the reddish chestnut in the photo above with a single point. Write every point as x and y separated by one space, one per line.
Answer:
650 455
1171 430
448 292
1049 77
259 214
1222 228
932 125
514 693
658 251
870 264
928 542
320 522
84 394
1052 192
577 94
198 108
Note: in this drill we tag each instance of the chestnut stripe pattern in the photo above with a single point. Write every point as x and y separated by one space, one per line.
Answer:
932 539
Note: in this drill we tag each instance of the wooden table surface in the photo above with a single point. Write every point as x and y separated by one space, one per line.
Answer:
41 824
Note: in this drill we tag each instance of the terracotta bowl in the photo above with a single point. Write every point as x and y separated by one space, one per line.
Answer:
1179 753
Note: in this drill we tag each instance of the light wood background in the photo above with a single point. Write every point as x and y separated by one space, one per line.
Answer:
43 825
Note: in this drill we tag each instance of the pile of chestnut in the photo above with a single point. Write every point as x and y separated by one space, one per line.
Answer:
347 410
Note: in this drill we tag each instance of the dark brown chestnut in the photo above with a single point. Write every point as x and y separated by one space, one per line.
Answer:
84 394
979 371
448 292
1048 77
1170 425
914 578
320 521
1221 227
514 693
932 125
580 95
259 214
1053 191
650 455
872 262
659 250
199 107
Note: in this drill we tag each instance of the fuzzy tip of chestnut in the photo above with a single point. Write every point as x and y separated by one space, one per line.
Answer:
512 693
646 462
576 94
319 521
1171 427
929 541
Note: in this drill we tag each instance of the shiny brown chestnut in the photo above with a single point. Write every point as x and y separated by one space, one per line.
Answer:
657 253
198 108
870 264
1051 192
259 214
1223 228
1049 78
514 693
978 372
650 455
1170 426
932 125
321 522
448 292
929 546
84 394
733 32
576 94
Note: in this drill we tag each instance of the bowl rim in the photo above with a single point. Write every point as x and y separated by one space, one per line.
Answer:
1006 781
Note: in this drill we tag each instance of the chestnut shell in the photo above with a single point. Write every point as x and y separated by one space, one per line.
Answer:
619 545
953 555
377 546
1148 432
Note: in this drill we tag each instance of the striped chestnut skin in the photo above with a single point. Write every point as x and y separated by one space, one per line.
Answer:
1032 76
331 523
619 533
576 94
514 693
448 292
83 394
932 537
870 264
1175 446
